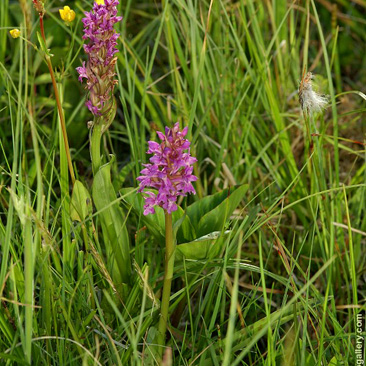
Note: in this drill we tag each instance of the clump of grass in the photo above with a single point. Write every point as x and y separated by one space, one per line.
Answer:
270 259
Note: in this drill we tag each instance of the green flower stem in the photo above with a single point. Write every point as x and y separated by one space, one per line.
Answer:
95 146
168 276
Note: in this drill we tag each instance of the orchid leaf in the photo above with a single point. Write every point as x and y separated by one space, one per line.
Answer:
212 212
81 204
202 248
113 221
156 222
201 218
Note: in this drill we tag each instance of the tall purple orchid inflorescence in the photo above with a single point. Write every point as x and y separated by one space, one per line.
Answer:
99 70
170 171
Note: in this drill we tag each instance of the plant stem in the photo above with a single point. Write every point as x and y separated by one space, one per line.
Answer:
168 276
95 146
59 106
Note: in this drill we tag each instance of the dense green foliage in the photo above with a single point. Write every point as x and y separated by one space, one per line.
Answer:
278 276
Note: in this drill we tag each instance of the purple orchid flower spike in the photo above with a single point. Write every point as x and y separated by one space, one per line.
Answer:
170 171
99 70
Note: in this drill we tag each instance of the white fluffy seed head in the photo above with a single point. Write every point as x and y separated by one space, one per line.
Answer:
310 101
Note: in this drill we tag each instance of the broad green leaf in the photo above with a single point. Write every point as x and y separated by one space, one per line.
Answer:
333 362
185 230
177 224
212 212
202 217
201 248
194 250
196 210
81 204
156 222
113 221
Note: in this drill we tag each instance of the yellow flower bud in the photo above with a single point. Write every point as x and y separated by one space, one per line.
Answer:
15 33
67 14
100 2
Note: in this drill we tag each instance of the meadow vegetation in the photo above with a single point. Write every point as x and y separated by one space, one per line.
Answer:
278 273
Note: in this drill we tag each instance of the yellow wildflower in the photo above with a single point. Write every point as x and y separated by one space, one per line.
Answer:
67 14
100 2
15 33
